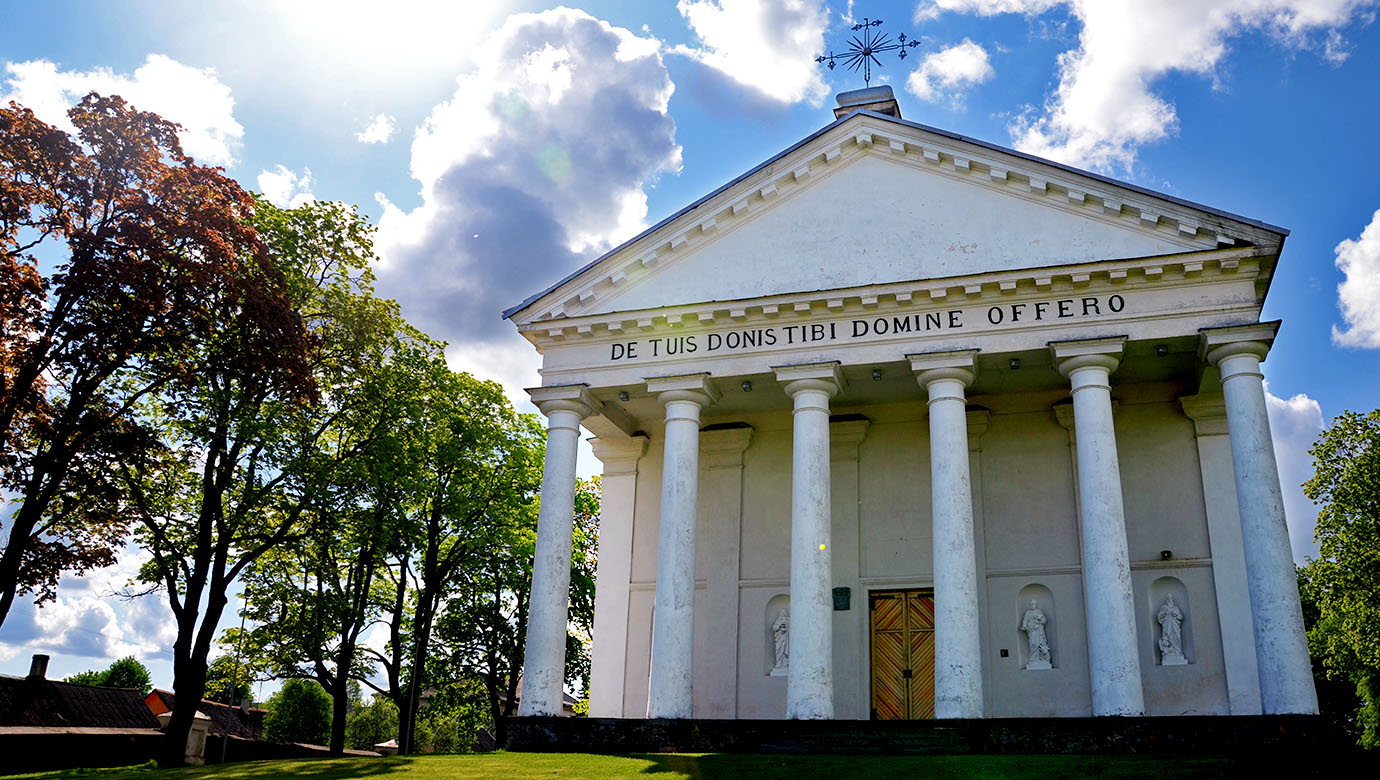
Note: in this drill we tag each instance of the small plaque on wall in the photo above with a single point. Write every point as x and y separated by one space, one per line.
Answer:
843 599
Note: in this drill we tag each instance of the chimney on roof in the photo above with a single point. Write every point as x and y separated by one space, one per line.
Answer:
879 99
38 669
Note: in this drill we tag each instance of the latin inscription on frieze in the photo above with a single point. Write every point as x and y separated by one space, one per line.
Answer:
980 318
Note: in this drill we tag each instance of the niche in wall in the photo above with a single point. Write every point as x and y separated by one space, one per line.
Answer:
1169 604
1036 621
772 622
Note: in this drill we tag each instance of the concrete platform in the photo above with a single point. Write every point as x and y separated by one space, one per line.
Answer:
1197 734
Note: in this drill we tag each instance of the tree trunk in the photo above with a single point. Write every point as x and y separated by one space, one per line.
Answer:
189 685
340 697
38 494
339 705
426 612
190 652
21 528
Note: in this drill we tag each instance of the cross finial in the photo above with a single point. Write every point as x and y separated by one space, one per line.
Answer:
864 47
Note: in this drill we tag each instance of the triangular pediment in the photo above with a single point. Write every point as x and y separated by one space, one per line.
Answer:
874 200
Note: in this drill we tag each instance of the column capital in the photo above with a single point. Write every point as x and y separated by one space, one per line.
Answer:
960 364
820 377
1251 339
696 388
723 445
1069 356
619 456
1208 411
565 398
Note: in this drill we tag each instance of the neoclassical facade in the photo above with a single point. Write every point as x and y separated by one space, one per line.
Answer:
901 424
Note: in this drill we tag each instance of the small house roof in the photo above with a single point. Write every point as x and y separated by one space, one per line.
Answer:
26 701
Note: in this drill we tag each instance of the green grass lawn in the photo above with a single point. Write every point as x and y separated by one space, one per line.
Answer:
647 766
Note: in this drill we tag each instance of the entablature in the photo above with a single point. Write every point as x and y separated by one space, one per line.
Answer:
1161 271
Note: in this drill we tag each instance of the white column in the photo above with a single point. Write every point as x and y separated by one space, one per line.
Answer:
957 638
543 666
1281 646
1113 653
620 456
673 616
810 684
1209 414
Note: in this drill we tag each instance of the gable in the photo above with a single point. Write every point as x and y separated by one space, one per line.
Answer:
875 200
879 220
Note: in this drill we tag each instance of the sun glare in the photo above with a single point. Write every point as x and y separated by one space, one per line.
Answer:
402 36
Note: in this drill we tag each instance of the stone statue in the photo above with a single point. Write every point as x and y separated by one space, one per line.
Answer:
781 637
1033 624
1171 620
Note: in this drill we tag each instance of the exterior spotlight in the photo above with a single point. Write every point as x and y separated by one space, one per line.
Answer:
877 374
623 396
1166 554
1015 363
1161 350
747 385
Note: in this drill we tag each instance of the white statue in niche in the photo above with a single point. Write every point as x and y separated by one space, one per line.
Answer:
781 639
1171 620
1033 624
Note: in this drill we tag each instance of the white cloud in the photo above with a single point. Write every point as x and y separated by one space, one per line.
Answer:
932 9
89 621
538 160
193 97
1359 295
1295 424
947 73
766 45
378 131
508 360
1103 108
285 188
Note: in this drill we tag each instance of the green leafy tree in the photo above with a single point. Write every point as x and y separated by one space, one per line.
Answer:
129 673
371 723
451 718
312 599
229 681
151 247
124 673
473 472
299 712
482 631
255 449
88 677
1343 584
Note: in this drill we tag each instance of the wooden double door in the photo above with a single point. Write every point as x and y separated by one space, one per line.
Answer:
902 635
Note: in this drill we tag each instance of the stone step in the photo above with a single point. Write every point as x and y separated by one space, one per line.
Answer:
1204 734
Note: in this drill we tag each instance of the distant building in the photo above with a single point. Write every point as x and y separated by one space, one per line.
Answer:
238 722
50 724
37 701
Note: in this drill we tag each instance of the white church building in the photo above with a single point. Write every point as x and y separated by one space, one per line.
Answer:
902 424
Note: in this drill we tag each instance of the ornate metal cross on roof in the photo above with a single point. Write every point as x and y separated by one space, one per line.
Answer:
863 49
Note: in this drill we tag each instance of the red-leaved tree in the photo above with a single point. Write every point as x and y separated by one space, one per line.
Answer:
119 257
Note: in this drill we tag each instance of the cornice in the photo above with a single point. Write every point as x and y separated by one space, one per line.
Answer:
1163 271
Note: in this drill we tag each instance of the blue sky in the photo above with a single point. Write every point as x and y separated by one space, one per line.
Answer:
500 148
